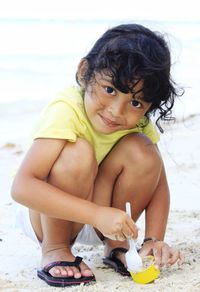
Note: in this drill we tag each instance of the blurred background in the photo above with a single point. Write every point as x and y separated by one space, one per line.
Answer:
42 41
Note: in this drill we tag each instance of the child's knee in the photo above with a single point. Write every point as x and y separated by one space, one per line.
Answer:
140 151
77 160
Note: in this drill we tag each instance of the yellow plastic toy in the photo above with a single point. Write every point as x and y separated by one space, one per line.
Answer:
149 272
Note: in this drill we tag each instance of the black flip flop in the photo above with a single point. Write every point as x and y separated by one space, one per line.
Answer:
63 281
113 262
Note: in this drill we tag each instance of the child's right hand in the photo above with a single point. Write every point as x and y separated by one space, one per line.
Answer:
115 224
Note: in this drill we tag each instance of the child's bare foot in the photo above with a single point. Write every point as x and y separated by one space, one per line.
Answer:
62 253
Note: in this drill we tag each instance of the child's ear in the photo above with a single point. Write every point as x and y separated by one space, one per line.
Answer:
82 68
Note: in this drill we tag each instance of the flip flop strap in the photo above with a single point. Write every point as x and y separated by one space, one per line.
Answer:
75 263
117 250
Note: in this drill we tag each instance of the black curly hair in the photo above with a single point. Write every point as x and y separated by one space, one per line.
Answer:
129 53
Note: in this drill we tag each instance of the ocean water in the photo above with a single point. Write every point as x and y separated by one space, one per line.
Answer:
40 57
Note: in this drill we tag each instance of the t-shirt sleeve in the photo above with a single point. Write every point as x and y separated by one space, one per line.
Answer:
150 131
57 121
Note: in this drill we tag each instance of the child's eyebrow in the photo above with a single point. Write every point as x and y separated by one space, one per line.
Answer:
138 94
106 79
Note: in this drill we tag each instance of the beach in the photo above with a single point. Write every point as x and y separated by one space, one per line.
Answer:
20 257
39 57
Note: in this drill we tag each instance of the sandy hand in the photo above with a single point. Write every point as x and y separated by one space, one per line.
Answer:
164 254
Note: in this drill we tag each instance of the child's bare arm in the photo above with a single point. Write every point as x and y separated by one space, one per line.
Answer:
155 226
158 209
31 189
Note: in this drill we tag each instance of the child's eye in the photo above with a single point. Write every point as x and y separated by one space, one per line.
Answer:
110 90
136 103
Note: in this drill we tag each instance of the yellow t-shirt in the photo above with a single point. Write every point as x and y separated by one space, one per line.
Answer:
65 118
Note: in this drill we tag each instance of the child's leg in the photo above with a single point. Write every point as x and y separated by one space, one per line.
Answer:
74 172
130 173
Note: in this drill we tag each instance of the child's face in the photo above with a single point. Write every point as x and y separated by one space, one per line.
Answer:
109 110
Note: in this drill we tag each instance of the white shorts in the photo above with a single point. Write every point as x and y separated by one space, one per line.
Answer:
87 235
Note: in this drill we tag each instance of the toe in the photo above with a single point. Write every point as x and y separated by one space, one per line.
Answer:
87 273
76 272
85 270
55 272
63 272
69 272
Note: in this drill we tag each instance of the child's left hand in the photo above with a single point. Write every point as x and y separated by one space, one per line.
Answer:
164 254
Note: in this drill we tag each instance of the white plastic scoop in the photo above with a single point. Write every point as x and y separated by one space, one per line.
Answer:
133 260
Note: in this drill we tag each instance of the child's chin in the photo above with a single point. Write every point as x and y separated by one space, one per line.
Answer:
106 131
103 129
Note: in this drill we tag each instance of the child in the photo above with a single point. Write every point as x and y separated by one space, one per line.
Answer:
95 149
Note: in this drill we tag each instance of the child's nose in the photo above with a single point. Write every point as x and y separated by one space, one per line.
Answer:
116 109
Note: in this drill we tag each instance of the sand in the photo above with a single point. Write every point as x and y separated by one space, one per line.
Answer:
20 257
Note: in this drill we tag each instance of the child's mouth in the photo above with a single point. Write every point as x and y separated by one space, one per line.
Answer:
109 122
